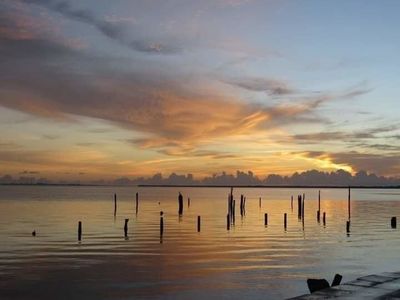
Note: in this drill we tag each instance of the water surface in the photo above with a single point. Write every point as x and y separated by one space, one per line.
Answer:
250 261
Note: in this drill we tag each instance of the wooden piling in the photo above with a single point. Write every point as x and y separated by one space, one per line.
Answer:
393 222
180 203
161 224
137 202
79 231
348 226
265 219
318 216
324 218
233 212
228 222
285 221
291 202
198 223
188 202
259 203
241 205
302 208
319 200
126 227
299 210
348 203
115 205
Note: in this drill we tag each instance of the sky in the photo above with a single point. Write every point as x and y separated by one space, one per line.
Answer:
102 89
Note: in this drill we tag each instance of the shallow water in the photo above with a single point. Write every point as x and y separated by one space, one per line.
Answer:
250 261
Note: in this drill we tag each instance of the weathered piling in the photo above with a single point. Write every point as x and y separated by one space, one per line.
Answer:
198 223
137 202
259 203
291 202
348 203
233 211
241 205
302 207
228 222
318 216
180 203
161 224
299 210
285 220
324 218
319 200
115 205
348 226
265 219
79 231
34 233
188 202
126 228
393 222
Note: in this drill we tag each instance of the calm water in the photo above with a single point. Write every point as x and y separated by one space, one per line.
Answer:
250 261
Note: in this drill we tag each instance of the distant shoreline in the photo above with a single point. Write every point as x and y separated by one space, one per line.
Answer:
275 186
207 186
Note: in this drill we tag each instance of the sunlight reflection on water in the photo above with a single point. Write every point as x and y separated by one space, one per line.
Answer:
249 261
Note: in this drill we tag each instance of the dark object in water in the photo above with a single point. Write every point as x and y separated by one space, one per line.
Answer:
320 284
126 227
79 231
337 280
317 284
180 202
34 233
393 222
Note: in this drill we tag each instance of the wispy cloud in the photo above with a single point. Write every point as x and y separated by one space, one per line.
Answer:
270 86
117 31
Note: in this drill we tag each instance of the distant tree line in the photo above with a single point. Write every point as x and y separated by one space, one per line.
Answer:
307 178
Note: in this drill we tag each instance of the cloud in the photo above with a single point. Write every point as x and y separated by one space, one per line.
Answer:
50 79
270 86
117 31
388 164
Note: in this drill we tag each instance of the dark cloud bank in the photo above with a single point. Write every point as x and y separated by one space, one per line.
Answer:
307 178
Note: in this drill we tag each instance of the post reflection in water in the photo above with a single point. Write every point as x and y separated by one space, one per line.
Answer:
166 256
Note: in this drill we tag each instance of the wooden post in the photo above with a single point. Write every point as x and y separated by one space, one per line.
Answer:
302 208
79 231
348 226
319 200
137 202
188 202
324 218
393 222
233 212
115 205
291 202
299 210
259 202
180 200
285 221
228 222
241 205
198 223
161 224
348 203
126 227
318 215
265 219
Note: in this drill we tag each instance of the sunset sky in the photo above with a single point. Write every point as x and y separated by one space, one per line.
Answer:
103 89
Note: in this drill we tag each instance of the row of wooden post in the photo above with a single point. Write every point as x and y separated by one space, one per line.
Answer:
115 204
231 212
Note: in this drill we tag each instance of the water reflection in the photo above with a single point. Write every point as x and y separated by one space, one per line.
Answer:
250 260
